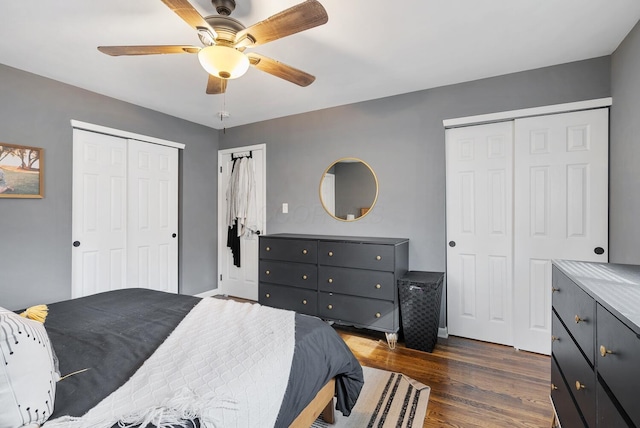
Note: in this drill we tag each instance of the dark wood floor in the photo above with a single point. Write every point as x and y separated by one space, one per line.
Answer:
473 384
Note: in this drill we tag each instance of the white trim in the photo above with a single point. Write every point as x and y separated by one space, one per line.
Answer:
124 134
210 293
527 112
443 332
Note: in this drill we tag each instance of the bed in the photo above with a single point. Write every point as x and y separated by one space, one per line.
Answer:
105 341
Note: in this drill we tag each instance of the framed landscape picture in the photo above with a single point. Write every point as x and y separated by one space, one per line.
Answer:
20 171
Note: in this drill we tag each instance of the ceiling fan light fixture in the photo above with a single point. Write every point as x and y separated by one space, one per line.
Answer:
223 61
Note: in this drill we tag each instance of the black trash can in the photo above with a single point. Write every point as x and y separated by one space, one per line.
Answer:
420 296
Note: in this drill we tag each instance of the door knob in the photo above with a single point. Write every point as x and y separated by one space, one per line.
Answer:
598 250
173 235
76 243
452 244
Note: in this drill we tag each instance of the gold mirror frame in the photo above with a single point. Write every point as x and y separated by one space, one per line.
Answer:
363 211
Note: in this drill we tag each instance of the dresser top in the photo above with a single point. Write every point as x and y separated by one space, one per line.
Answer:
615 286
359 239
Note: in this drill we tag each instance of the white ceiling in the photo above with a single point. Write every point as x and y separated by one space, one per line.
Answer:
369 49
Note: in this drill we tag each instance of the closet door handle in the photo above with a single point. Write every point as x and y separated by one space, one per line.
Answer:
173 235
598 250
452 244
76 243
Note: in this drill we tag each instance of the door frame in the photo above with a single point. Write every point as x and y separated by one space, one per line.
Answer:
222 190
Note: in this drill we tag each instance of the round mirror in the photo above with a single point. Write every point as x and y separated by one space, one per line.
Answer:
348 189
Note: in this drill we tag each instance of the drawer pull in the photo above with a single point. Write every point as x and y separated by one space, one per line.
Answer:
268 249
329 306
304 302
578 319
378 314
553 289
330 253
330 280
604 351
304 277
555 338
579 385
267 295
304 251
553 387
268 272
378 286
378 257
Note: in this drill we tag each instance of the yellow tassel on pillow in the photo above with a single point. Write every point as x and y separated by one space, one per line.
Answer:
36 313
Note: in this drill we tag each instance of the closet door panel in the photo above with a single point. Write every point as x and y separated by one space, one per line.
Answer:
153 216
479 232
560 210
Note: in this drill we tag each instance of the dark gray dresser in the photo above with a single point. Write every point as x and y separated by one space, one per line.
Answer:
348 280
595 365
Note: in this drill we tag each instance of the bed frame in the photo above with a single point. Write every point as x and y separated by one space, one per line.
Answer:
322 404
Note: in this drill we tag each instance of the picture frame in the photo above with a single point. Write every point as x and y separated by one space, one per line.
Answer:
21 171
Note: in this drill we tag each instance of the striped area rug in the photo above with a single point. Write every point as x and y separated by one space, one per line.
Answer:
387 400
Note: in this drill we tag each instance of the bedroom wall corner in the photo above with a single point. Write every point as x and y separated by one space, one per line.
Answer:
624 181
35 238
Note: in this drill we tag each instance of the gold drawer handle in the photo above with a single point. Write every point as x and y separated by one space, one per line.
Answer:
267 295
378 286
378 257
579 385
553 387
554 338
304 277
329 306
578 319
304 251
330 253
268 272
304 302
378 315
604 351
330 280
268 249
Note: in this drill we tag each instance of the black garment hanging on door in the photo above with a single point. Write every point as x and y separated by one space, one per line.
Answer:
233 240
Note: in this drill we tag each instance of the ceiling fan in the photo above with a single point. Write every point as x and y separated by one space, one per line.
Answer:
225 40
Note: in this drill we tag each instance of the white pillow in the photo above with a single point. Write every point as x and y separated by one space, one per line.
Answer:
27 372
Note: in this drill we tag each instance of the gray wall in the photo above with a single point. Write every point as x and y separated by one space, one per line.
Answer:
35 235
624 207
402 138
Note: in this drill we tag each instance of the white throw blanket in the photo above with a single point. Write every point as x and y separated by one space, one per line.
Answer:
226 363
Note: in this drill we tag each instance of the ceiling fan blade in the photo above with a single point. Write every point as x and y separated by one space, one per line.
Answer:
215 85
147 50
280 70
298 18
184 10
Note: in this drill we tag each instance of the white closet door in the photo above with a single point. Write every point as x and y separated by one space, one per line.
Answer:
99 216
479 232
561 210
153 216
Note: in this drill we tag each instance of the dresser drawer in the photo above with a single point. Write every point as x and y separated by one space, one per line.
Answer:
608 414
563 403
294 299
373 313
292 250
295 274
361 256
578 374
357 282
577 310
620 369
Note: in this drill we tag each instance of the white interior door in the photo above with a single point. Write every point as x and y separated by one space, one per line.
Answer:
152 241
479 231
99 213
561 210
241 281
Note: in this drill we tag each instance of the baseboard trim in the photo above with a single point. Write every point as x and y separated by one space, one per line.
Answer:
209 293
443 332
